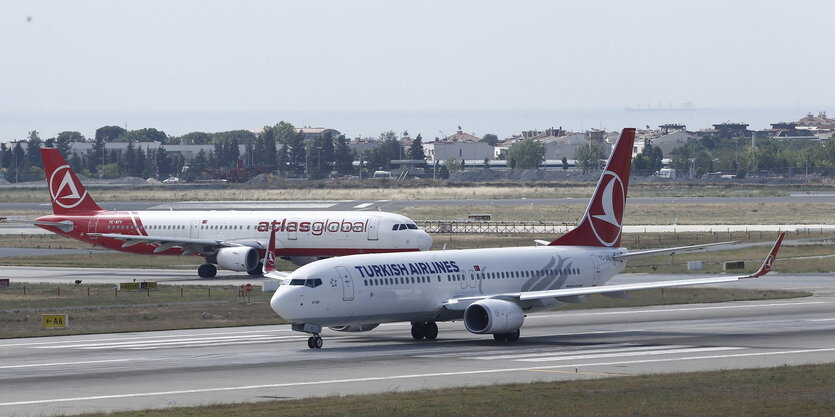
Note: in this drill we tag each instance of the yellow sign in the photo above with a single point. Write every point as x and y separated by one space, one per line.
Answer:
134 286
55 321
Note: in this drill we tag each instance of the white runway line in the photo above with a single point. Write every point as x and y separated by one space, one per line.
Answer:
133 337
625 354
363 205
397 377
174 342
35 365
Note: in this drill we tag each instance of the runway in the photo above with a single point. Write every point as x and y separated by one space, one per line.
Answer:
73 374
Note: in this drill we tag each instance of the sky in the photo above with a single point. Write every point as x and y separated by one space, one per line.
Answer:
407 56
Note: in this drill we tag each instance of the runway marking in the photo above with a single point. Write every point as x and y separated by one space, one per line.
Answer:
570 352
363 205
624 354
396 377
35 365
180 342
822 320
2 345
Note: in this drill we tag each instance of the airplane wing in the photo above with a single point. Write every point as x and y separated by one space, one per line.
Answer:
669 251
202 246
463 302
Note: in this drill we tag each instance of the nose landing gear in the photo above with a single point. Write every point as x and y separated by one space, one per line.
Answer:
315 341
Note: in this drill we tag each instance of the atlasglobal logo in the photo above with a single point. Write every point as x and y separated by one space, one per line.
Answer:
315 228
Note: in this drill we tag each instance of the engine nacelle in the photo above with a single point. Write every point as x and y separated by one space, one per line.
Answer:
237 258
355 328
301 260
493 316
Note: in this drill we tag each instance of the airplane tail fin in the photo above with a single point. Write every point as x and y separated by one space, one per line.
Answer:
603 220
67 193
269 257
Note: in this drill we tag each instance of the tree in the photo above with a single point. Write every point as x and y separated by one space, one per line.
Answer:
343 157
5 156
648 161
33 146
564 163
296 155
163 163
588 155
416 151
527 154
454 165
109 133
95 157
380 157
490 139
196 138
18 159
64 142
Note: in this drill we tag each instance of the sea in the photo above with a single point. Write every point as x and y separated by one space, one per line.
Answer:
430 124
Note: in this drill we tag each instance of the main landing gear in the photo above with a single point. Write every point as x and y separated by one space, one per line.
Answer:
315 341
509 337
207 271
424 330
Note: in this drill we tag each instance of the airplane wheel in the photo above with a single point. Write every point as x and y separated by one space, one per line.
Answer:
310 342
430 330
417 330
206 271
500 337
512 337
317 342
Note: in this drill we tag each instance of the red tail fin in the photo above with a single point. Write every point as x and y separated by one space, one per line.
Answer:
67 193
269 257
602 223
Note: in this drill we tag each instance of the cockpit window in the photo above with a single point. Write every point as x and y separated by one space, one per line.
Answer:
395 227
411 226
312 283
402 227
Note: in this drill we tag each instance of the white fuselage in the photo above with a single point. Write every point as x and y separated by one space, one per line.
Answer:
299 234
414 286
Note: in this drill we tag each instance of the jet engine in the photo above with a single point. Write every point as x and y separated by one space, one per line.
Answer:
355 328
493 316
237 258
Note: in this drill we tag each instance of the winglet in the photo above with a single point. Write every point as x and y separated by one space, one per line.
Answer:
269 257
770 259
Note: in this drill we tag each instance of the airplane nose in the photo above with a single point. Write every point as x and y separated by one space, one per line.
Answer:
424 241
280 302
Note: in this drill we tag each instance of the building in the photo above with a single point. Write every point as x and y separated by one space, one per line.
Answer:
443 150
310 133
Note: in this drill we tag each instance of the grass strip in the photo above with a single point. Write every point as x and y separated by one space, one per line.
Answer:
807 390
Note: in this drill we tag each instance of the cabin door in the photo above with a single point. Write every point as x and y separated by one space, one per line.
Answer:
347 283
374 228
195 229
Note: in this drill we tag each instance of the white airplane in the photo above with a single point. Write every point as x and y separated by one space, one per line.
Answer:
234 240
491 290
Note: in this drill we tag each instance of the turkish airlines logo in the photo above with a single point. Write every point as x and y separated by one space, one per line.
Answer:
768 262
270 259
63 188
606 213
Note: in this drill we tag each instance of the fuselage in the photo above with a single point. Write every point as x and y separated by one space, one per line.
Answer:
315 234
414 286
